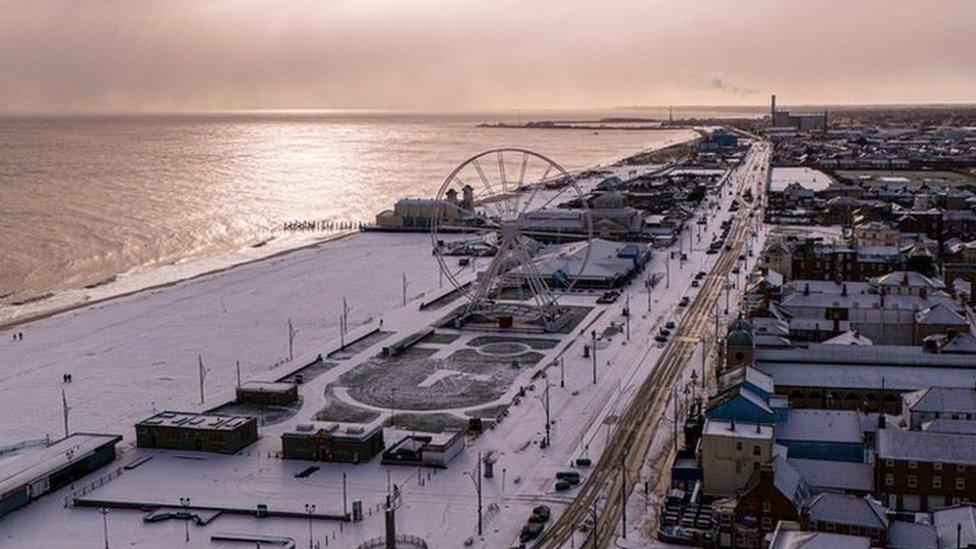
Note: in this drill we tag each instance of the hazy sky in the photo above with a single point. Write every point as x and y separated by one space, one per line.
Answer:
127 55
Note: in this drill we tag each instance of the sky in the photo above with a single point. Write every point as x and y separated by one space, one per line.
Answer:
450 55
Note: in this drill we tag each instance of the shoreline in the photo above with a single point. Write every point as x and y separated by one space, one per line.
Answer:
29 318
34 317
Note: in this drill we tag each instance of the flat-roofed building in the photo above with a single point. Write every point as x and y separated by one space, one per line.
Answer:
204 432
346 443
434 450
31 473
267 393
730 452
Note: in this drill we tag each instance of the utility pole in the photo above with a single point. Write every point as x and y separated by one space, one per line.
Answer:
345 511
404 279
648 286
104 513
238 374
728 287
623 495
477 487
291 341
547 411
667 269
674 398
627 316
64 409
593 337
203 375
562 374
704 353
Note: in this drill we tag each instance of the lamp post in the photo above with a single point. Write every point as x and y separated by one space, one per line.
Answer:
104 513
393 391
593 338
309 509
185 504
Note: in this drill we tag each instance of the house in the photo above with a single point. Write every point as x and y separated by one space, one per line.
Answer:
345 443
740 404
876 233
955 526
775 492
932 403
842 477
922 471
206 432
730 452
845 514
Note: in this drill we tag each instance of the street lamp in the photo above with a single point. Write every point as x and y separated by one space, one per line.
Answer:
185 504
393 391
310 509
104 513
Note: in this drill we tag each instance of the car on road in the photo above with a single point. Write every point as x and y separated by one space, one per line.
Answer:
541 514
684 301
670 324
735 270
609 296
701 274
695 284
665 332
659 339
530 531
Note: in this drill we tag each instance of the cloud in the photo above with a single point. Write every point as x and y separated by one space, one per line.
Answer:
718 83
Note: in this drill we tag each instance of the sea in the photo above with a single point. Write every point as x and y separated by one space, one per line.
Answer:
87 200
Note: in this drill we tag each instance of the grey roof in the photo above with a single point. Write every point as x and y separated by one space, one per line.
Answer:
962 343
943 399
947 520
835 475
899 378
30 465
926 446
821 426
796 539
940 314
909 535
888 355
789 482
847 509
908 278
850 337
945 425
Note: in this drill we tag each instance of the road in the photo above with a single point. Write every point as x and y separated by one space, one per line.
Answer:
619 464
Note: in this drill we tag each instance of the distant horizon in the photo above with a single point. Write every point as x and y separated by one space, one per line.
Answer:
486 110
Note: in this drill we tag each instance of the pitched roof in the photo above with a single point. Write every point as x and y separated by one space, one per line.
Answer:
947 520
926 446
958 400
835 475
910 535
940 314
846 509
850 337
789 482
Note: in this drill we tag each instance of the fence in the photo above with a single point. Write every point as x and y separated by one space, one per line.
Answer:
70 499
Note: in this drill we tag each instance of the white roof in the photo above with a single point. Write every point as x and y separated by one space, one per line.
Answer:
899 378
721 427
947 520
847 509
945 425
794 539
943 399
850 337
194 420
24 468
821 426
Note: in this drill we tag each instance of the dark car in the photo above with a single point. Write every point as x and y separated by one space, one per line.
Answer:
660 339
670 324
665 332
694 283
541 513
530 531
684 302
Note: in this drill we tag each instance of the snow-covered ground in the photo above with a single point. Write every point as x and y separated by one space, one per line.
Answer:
139 353
809 178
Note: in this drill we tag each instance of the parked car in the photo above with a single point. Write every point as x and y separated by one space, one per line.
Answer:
530 531
694 283
684 301
670 324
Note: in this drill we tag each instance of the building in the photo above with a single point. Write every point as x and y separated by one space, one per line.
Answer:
923 471
833 435
435 450
955 526
730 452
788 535
775 492
267 393
346 443
781 118
841 477
933 403
422 213
844 514
205 432
31 473
598 264
861 377
876 233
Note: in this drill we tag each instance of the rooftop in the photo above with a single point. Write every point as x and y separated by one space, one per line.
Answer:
28 466
926 446
195 420
721 427
822 426
835 475
847 509
942 399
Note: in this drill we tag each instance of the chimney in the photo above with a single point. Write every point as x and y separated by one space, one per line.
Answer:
772 110
843 289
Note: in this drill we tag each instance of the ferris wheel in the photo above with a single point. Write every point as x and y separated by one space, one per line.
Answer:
498 197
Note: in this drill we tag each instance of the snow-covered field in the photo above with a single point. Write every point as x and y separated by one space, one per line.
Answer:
139 353
809 178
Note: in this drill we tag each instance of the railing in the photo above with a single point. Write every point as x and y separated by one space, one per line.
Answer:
70 499
24 444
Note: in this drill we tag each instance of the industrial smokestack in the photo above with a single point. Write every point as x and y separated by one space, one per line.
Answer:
772 107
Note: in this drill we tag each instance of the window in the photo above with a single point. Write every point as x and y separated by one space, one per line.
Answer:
889 463
889 479
912 481
756 450
830 526
936 482
766 507
738 446
767 523
855 529
960 468
937 466
960 483
913 465
738 466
